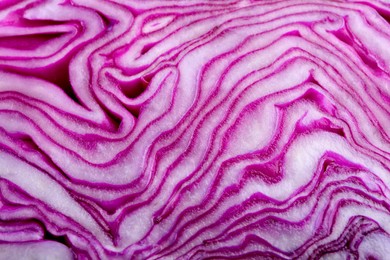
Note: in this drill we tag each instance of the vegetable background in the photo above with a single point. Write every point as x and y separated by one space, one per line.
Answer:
194 129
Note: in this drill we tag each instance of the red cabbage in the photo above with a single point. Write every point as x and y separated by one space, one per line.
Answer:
163 129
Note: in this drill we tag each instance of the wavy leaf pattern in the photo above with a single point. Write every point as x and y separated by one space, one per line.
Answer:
195 129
